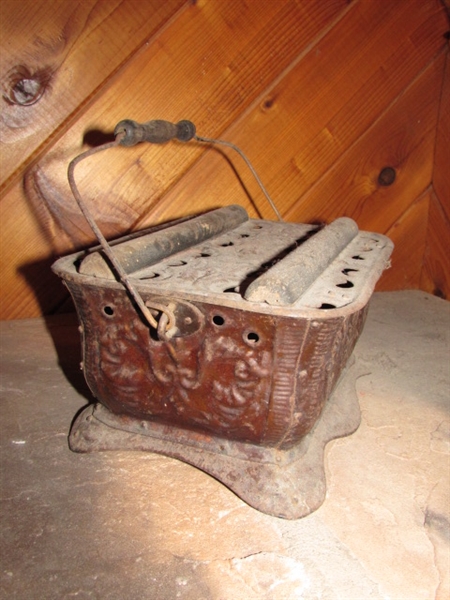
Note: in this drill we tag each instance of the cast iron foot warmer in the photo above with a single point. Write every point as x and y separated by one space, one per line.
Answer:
224 341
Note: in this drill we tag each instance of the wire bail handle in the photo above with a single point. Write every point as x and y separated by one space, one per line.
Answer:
130 133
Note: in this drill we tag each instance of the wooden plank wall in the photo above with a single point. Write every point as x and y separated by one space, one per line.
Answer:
322 96
435 276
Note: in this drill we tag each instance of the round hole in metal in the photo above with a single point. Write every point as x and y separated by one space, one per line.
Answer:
252 337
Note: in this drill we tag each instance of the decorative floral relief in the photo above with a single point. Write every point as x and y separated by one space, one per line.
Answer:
215 382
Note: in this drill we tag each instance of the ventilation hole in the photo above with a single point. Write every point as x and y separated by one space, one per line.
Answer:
347 284
218 320
202 255
180 263
325 305
227 244
358 257
108 310
252 337
244 235
151 276
347 271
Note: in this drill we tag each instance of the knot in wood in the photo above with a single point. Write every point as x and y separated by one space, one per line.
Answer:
24 88
387 176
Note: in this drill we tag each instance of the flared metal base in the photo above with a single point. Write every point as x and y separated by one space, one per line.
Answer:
283 483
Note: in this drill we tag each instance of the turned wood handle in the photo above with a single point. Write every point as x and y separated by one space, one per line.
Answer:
155 132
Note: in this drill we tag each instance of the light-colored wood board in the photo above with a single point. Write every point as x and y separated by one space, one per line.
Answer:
436 265
73 48
409 234
441 174
288 135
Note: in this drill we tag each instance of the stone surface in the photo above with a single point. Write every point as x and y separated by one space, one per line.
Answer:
135 525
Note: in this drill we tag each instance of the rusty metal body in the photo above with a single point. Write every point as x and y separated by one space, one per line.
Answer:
240 376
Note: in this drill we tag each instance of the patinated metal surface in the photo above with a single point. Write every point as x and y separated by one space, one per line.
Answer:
248 378
243 376
283 483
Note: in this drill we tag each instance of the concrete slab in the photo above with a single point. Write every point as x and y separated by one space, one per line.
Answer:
117 525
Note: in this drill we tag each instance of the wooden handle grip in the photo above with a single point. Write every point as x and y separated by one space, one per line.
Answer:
155 132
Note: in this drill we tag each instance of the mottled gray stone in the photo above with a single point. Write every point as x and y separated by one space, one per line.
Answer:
117 525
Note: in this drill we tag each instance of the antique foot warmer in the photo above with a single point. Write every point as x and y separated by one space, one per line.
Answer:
224 342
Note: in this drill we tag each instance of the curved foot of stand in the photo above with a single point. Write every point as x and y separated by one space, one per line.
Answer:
282 483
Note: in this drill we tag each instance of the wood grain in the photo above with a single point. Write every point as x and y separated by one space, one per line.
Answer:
320 95
441 173
402 138
209 66
202 66
80 46
409 234
28 287
300 127
435 277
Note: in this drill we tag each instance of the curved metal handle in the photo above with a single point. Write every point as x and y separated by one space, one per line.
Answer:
120 271
130 133
158 131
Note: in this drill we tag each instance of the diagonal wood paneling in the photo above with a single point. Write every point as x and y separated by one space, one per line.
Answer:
435 275
441 173
302 125
320 95
71 49
401 138
190 74
209 66
436 264
409 234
